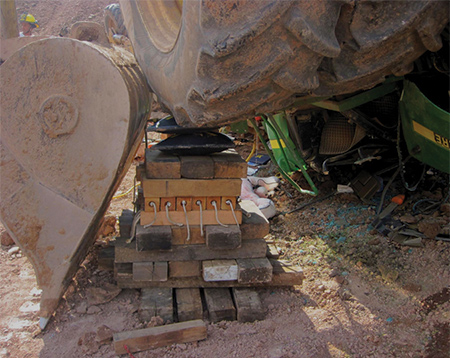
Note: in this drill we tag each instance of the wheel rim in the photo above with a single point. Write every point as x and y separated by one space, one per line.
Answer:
162 20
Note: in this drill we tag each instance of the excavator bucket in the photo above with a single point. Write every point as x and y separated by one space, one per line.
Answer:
72 117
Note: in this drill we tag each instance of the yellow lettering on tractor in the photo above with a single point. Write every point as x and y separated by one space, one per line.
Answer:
429 134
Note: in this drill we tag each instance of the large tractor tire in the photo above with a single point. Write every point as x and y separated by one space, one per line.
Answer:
114 20
216 61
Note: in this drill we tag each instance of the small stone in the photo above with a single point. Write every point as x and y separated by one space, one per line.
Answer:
81 308
339 279
387 273
429 228
13 250
271 306
375 241
6 239
104 334
321 288
94 310
88 343
412 287
99 295
155 321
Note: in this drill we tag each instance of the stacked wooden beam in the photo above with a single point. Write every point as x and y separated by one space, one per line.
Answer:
194 233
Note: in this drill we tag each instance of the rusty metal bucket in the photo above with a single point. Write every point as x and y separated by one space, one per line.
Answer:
72 117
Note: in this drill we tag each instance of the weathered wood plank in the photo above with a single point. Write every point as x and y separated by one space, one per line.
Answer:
153 238
106 258
154 337
220 304
249 249
189 304
254 223
284 271
185 268
156 302
229 165
220 270
191 187
159 165
197 167
143 271
223 238
254 270
160 271
248 305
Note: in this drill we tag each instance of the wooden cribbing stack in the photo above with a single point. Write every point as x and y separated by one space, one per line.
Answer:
196 242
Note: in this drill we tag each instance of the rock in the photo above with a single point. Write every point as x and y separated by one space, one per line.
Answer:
99 295
6 239
155 321
339 279
81 308
429 228
13 250
104 334
387 273
94 310
412 287
108 226
374 241
88 343
271 306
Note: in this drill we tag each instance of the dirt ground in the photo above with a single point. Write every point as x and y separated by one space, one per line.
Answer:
363 296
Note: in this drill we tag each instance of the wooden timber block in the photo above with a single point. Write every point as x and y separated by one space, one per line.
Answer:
284 271
191 187
196 199
154 337
185 269
225 199
229 165
253 226
179 235
159 165
254 270
189 304
106 258
125 222
160 271
223 238
197 167
150 208
220 270
248 305
140 172
187 203
220 304
254 223
272 251
208 216
156 302
153 238
150 271
123 271
164 201
212 199
249 249
143 271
